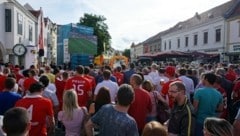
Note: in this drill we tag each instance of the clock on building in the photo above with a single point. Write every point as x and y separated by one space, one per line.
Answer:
19 50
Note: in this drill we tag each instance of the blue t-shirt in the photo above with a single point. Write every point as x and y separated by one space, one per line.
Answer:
114 123
127 75
208 101
8 100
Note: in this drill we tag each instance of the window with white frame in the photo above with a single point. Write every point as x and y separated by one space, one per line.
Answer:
8 20
19 24
205 37
178 42
195 39
170 45
165 45
186 41
30 34
218 35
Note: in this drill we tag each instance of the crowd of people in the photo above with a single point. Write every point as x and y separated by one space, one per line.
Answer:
167 99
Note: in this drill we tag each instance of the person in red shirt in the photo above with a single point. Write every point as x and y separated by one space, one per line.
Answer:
90 78
29 81
60 84
81 85
119 75
236 91
169 73
218 86
40 111
142 104
231 74
18 75
6 72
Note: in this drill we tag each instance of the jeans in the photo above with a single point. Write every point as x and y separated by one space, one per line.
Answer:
199 129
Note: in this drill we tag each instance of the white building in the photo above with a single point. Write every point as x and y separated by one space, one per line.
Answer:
41 36
136 51
204 32
233 33
50 41
215 31
153 44
17 26
26 26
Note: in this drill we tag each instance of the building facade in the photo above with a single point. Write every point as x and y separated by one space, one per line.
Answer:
136 51
17 26
22 25
215 31
233 33
50 40
153 44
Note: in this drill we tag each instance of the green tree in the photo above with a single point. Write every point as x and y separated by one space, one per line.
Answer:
126 53
100 30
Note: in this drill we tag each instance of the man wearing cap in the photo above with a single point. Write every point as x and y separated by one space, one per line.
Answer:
40 111
170 74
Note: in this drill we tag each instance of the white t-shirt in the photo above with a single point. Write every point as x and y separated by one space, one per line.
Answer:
51 95
112 86
52 87
154 75
189 85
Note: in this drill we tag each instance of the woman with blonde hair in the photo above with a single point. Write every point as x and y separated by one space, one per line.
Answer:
72 115
154 128
217 127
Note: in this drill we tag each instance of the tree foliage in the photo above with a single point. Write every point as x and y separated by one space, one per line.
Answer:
100 30
126 53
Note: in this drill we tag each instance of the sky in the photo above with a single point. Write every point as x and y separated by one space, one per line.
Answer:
129 21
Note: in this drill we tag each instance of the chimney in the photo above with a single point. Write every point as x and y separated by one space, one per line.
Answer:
197 16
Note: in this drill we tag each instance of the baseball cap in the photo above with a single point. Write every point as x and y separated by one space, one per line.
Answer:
170 70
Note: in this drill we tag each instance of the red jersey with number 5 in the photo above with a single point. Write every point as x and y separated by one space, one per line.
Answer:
82 86
38 108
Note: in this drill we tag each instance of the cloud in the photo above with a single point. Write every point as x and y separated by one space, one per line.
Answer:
128 20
